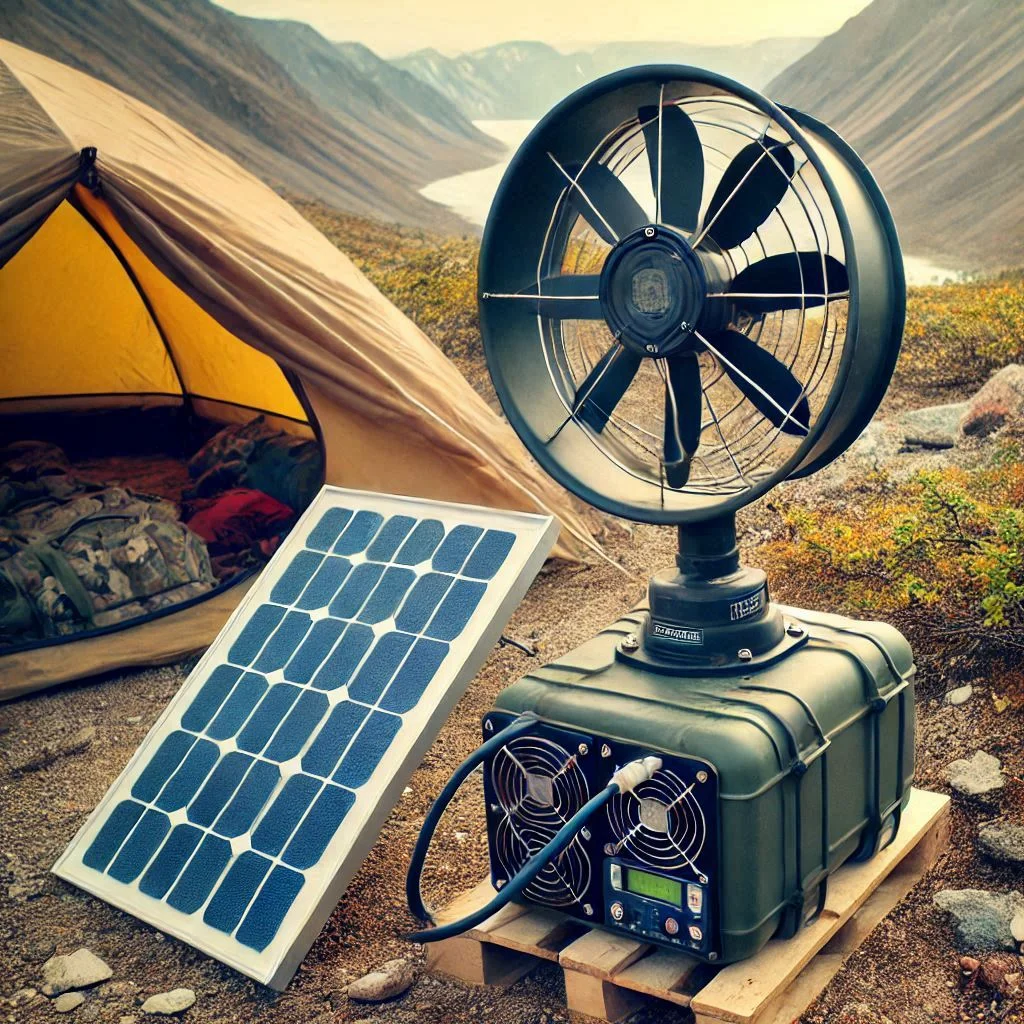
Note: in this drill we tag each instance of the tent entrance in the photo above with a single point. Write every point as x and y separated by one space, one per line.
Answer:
149 459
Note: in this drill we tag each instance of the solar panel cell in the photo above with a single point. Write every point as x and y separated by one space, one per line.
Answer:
268 909
359 532
200 875
285 813
393 533
253 636
248 800
210 698
313 650
141 844
455 549
318 827
267 717
367 749
297 729
167 864
232 897
238 707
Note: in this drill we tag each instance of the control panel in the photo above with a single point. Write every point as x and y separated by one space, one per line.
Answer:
657 907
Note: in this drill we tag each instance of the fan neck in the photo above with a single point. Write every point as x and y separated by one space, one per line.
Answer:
710 609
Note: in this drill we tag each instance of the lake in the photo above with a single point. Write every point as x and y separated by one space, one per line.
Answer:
470 195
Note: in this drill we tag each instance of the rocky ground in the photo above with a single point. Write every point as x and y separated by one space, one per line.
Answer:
61 750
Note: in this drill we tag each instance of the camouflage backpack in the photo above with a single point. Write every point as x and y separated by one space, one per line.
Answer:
101 558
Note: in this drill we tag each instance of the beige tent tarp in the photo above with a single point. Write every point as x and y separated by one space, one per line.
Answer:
238 287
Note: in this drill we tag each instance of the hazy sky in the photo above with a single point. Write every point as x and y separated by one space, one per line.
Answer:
394 27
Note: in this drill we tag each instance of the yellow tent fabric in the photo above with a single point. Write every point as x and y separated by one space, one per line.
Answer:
138 264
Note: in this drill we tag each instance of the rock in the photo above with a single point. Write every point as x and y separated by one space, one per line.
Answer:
128 1018
999 402
979 777
937 426
961 695
170 1003
388 981
1001 973
68 1001
1003 842
77 970
134 720
65 746
22 996
1017 927
983 919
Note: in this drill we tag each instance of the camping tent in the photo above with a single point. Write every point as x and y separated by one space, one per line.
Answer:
139 267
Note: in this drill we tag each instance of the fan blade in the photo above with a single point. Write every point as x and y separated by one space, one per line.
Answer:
677 164
605 385
683 415
604 202
781 282
732 218
765 381
570 297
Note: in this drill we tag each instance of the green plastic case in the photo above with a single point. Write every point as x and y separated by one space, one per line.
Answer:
813 745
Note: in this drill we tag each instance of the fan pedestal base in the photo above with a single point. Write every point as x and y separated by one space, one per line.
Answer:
710 611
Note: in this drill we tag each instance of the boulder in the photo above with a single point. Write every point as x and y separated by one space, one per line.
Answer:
936 426
978 778
389 980
999 402
983 919
77 970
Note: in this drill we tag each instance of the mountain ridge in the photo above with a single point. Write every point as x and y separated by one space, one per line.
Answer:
931 94
525 78
201 66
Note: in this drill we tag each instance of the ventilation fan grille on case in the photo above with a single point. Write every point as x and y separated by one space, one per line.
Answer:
660 823
539 786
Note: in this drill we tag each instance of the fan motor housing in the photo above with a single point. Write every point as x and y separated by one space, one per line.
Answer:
774 774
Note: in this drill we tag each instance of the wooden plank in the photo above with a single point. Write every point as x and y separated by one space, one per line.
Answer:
473 900
741 992
598 998
538 931
601 954
661 973
478 963
814 978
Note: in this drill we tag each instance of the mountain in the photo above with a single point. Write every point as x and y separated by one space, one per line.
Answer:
205 68
430 138
931 94
525 79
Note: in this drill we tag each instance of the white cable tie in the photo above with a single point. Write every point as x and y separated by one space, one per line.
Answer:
629 776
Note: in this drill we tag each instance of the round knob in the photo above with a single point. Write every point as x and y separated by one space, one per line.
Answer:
618 911
671 926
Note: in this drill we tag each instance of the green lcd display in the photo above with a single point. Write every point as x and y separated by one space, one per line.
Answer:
657 887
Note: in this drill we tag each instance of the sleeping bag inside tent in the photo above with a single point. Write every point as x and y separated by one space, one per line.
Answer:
185 359
150 458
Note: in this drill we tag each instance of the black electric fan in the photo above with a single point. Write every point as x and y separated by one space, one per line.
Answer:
689 294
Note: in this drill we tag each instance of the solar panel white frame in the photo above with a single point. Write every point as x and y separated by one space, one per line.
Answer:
326 880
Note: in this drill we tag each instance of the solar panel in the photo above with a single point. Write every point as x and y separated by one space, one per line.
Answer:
245 812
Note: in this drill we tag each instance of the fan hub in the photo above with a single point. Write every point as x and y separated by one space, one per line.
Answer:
652 290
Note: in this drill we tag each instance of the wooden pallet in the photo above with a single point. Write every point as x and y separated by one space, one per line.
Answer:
609 976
